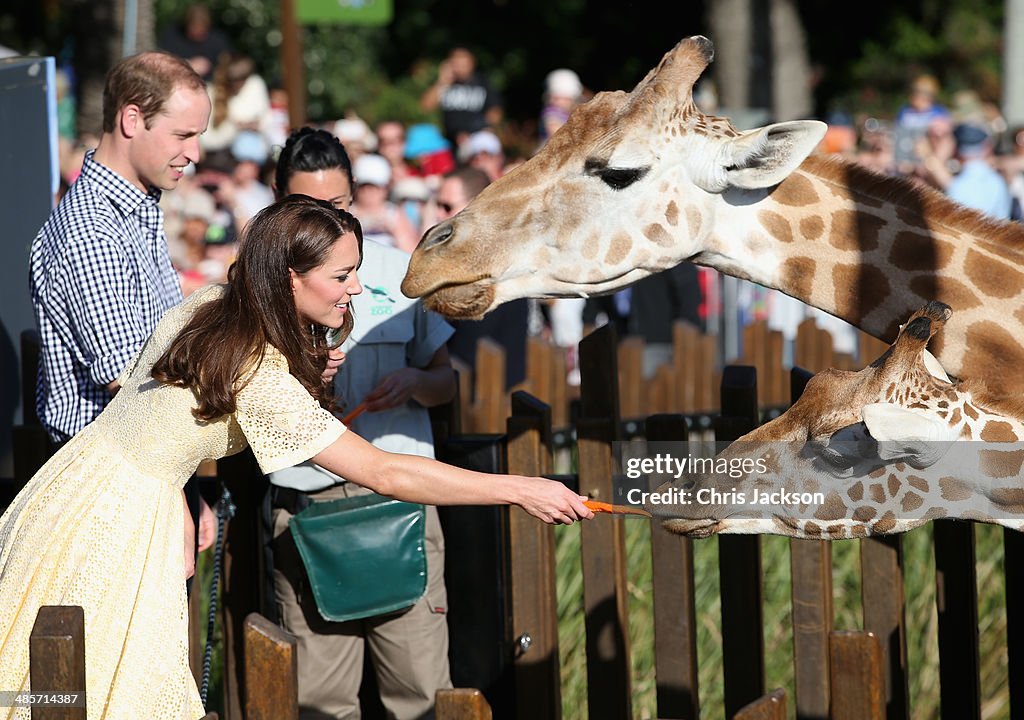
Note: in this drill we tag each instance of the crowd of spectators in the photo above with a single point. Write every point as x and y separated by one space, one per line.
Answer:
961 147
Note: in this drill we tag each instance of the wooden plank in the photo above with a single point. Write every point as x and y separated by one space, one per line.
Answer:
685 353
956 598
739 560
489 397
631 378
461 704
767 707
811 567
240 569
1013 566
881 559
533 590
56 652
602 539
271 671
675 611
857 676
776 377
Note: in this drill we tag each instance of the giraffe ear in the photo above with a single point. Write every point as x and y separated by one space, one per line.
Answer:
764 157
906 435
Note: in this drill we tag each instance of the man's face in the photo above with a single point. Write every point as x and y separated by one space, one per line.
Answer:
160 153
451 198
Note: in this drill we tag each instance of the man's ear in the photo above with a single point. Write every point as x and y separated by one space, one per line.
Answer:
130 120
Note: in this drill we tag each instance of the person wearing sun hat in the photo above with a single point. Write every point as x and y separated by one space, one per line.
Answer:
382 220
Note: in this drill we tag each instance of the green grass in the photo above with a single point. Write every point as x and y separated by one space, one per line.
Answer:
921 619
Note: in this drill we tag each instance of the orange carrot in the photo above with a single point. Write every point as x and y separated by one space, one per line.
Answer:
356 412
599 507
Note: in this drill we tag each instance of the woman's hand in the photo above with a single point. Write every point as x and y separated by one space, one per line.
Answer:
335 357
190 540
553 502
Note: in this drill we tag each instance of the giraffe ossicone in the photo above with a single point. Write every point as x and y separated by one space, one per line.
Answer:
636 182
877 451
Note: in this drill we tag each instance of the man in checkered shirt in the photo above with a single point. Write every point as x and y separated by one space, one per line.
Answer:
101 277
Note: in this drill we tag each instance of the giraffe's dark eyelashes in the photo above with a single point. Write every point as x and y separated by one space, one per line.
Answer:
615 178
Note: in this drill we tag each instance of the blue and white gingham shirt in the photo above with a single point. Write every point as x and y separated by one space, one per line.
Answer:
101 279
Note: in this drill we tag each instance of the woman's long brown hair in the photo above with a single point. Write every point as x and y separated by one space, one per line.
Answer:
226 338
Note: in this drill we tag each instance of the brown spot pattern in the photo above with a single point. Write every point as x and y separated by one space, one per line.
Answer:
998 431
894 485
859 289
618 249
693 219
918 483
1010 499
832 509
953 292
812 227
912 501
672 213
658 235
885 524
856 491
914 251
855 231
795 191
877 493
776 225
797 274
952 490
1001 464
994 278
970 412
864 513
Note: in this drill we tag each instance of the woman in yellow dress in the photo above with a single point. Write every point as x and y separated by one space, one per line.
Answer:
101 524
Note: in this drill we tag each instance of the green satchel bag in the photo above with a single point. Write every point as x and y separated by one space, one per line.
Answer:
364 555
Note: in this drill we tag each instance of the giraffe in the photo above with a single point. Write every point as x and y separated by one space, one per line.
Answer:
883 448
637 182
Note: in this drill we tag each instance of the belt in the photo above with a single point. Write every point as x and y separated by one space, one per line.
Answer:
294 501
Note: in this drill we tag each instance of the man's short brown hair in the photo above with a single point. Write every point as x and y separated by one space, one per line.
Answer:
147 80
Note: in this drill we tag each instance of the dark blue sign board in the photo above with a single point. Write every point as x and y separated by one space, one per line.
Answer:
28 187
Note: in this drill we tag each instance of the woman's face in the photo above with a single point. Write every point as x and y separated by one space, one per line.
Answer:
322 295
331 185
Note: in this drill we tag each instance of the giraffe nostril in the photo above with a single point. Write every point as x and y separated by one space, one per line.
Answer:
438 235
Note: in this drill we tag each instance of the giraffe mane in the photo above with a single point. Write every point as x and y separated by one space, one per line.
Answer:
940 210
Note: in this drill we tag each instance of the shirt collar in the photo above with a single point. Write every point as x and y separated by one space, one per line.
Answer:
124 194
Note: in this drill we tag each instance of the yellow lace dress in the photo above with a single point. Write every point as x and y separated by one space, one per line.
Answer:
101 526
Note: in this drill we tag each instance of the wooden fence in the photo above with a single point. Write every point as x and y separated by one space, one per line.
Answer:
500 564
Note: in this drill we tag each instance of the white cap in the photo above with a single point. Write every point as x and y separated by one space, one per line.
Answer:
410 188
564 83
372 170
199 204
353 131
483 141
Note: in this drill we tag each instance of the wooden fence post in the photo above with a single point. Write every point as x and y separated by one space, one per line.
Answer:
881 563
490 401
271 671
675 613
532 570
767 707
57 659
739 561
811 571
461 704
857 676
603 539
956 598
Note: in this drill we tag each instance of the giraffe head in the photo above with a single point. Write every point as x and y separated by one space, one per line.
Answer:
867 442
623 190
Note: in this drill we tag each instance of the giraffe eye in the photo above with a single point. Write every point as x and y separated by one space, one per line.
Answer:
615 178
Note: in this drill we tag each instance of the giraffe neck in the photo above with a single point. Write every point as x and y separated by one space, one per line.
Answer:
871 249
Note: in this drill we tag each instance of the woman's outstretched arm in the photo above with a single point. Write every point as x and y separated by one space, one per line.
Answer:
417 479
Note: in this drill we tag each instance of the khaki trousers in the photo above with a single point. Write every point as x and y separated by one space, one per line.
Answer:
409 648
